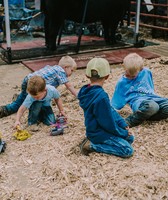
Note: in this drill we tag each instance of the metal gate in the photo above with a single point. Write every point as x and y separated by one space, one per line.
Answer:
153 15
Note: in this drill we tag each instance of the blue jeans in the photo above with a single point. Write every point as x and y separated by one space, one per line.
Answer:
116 146
149 110
39 113
14 106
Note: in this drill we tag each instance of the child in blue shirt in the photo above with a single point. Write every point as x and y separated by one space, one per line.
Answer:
136 88
38 102
53 75
105 128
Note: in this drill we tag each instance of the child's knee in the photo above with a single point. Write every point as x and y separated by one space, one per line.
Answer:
149 107
153 108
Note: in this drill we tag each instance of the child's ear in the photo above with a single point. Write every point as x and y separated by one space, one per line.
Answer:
63 66
122 65
106 77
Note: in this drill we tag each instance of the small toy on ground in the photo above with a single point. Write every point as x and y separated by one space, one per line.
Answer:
2 144
58 127
21 134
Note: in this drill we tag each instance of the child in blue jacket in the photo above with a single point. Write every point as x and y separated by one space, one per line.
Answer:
105 128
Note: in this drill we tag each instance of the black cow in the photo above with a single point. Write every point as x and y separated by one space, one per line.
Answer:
109 12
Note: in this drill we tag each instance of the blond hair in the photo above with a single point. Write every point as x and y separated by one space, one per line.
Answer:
133 63
35 85
67 61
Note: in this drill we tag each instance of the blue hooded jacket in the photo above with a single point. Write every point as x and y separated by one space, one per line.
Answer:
101 120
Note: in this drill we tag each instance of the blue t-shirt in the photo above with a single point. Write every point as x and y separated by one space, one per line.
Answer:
52 93
53 75
134 91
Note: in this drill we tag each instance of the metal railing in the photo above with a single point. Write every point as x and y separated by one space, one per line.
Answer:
155 20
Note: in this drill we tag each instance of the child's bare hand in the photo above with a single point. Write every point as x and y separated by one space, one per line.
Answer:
128 129
61 113
17 124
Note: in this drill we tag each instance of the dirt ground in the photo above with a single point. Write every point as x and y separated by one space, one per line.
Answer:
45 167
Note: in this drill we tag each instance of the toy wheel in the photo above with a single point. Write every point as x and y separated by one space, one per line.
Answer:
69 27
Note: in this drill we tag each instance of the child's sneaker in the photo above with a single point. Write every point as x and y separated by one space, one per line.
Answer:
3 112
